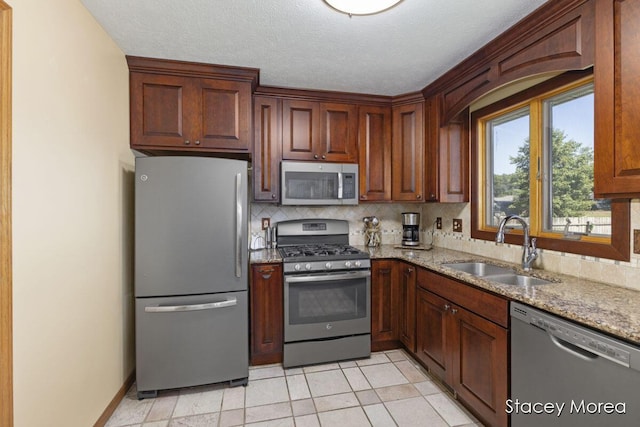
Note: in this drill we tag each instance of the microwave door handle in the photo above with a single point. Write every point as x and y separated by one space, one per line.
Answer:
340 185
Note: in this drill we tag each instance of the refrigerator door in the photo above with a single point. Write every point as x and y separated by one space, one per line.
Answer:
190 226
193 340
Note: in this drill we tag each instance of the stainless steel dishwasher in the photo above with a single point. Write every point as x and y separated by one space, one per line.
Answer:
563 374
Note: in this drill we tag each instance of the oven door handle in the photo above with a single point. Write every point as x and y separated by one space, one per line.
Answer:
324 278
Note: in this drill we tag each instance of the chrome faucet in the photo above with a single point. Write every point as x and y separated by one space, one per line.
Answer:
529 252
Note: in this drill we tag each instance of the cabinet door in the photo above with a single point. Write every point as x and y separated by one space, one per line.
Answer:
338 133
407 276
375 153
431 333
267 149
384 305
453 150
160 111
408 153
225 114
267 314
617 99
300 130
479 355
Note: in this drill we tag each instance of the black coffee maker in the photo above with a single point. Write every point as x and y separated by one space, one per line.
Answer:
410 228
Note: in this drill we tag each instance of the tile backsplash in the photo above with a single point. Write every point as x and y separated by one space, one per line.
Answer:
619 273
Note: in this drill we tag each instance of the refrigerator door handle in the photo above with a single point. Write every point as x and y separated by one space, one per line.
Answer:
193 307
238 225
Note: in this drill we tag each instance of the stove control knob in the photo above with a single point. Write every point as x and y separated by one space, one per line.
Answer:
347 264
297 267
358 263
307 266
328 266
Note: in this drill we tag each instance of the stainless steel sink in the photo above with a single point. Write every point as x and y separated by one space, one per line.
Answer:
517 280
479 269
493 273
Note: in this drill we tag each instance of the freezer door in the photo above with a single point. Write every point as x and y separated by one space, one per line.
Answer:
194 340
190 226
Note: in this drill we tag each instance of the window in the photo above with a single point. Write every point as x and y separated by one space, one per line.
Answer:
533 157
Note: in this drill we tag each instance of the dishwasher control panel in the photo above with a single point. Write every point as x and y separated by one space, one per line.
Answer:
579 336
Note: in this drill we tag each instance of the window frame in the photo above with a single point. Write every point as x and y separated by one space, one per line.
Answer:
617 248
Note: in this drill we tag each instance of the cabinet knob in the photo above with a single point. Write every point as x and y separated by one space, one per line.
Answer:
447 307
419 196
454 310
273 196
324 157
198 142
363 196
433 196
315 156
187 142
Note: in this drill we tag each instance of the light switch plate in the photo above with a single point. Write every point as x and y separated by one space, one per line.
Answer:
457 225
266 222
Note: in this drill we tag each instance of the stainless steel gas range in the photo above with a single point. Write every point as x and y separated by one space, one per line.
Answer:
327 293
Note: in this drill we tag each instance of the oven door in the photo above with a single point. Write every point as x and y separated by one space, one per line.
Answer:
327 305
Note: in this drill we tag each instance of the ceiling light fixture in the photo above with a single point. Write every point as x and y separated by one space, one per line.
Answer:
359 7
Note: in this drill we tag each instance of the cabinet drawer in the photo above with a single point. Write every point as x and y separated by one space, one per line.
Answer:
481 302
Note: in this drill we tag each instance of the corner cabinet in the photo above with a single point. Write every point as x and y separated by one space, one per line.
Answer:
617 99
462 338
183 106
267 313
408 152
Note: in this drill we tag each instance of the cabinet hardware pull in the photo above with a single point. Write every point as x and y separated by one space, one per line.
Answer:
197 142
418 197
187 142
454 310
315 156
447 307
273 196
324 157
266 276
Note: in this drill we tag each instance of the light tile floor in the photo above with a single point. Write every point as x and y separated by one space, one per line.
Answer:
388 389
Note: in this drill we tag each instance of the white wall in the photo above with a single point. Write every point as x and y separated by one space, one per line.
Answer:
72 215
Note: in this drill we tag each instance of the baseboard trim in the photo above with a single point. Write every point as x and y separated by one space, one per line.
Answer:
115 401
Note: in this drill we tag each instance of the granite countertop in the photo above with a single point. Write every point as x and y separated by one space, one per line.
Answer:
608 308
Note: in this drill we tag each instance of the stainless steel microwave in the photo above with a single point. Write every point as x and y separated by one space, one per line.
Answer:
318 183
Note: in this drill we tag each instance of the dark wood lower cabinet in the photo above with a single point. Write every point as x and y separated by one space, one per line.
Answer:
266 299
384 305
465 350
407 328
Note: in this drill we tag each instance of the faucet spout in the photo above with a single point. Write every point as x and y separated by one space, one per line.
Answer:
529 251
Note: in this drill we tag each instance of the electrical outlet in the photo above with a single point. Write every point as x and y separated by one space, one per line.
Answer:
636 241
457 225
266 222
439 223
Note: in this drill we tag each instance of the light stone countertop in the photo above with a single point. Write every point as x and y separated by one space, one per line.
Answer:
608 308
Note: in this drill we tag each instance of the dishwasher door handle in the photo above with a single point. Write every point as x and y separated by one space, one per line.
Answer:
572 349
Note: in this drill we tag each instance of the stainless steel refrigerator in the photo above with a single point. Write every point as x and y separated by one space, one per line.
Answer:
191 272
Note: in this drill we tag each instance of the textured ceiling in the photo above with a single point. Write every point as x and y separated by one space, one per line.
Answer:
306 44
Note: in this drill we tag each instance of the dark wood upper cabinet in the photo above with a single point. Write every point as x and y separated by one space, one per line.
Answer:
558 36
267 146
617 99
374 144
182 106
319 131
408 152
